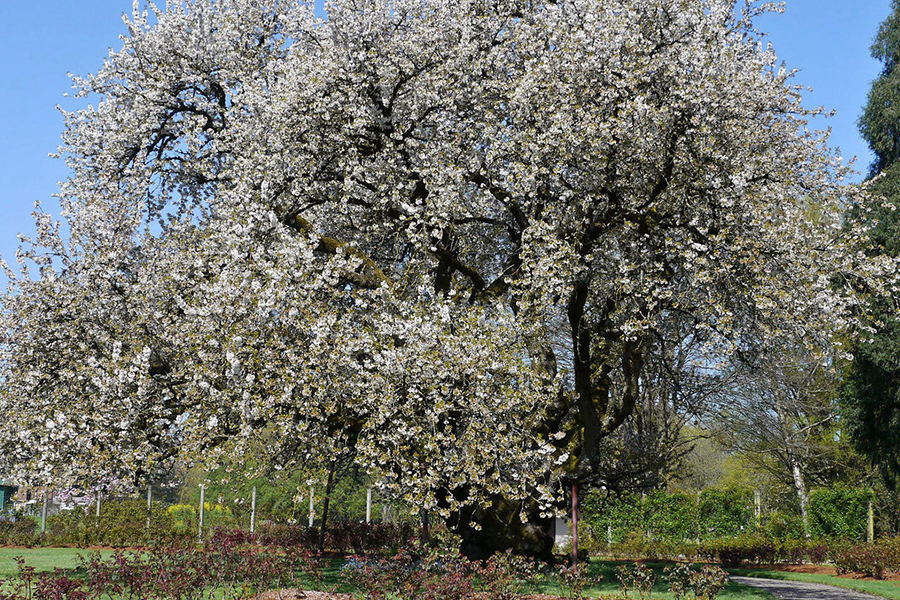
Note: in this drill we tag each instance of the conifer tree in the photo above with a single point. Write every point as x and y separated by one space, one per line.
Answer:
871 395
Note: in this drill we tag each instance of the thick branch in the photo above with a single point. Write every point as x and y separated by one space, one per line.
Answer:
367 275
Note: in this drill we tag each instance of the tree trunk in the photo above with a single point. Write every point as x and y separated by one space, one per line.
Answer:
325 502
802 492
426 529
499 527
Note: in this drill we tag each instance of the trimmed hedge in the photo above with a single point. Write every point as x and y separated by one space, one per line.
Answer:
759 550
671 517
839 512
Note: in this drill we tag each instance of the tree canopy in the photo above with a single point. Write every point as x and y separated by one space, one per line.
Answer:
458 239
871 394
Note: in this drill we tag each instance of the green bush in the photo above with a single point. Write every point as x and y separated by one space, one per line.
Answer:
121 523
839 512
761 550
708 582
618 516
872 560
781 525
670 516
637 577
725 512
20 530
746 549
186 518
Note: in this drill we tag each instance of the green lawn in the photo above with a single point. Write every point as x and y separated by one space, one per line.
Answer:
609 585
42 559
887 589
46 559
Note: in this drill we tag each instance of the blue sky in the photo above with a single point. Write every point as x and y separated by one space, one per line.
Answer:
43 40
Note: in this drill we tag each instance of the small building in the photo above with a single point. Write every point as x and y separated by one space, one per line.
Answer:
6 493
562 533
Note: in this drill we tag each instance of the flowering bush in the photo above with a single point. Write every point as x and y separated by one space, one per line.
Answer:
708 582
679 580
412 574
705 583
637 577
574 580
229 566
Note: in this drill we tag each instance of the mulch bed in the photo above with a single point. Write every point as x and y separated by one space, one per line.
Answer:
829 570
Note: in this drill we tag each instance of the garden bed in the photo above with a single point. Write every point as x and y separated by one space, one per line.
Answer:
829 570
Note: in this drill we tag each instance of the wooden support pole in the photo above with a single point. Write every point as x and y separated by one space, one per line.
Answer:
870 524
575 526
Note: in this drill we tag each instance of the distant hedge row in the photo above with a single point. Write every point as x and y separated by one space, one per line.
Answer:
838 512
664 516
123 523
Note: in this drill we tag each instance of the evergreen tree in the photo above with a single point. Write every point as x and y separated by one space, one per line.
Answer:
871 395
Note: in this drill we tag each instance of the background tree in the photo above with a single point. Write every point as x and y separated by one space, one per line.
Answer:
781 415
871 395
359 232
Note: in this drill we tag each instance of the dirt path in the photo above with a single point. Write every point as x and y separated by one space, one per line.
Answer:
799 590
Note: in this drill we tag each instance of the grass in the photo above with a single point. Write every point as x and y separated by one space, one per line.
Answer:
886 589
46 559
42 559
609 585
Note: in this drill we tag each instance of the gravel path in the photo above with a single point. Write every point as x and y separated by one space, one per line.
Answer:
799 590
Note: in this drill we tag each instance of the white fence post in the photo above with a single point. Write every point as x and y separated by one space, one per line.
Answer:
149 504
253 510
202 508
44 512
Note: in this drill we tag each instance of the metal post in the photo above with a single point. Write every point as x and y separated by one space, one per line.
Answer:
312 508
98 503
368 505
253 510
202 508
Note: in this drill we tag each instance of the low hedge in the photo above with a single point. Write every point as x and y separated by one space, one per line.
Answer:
873 560
123 523
758 550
